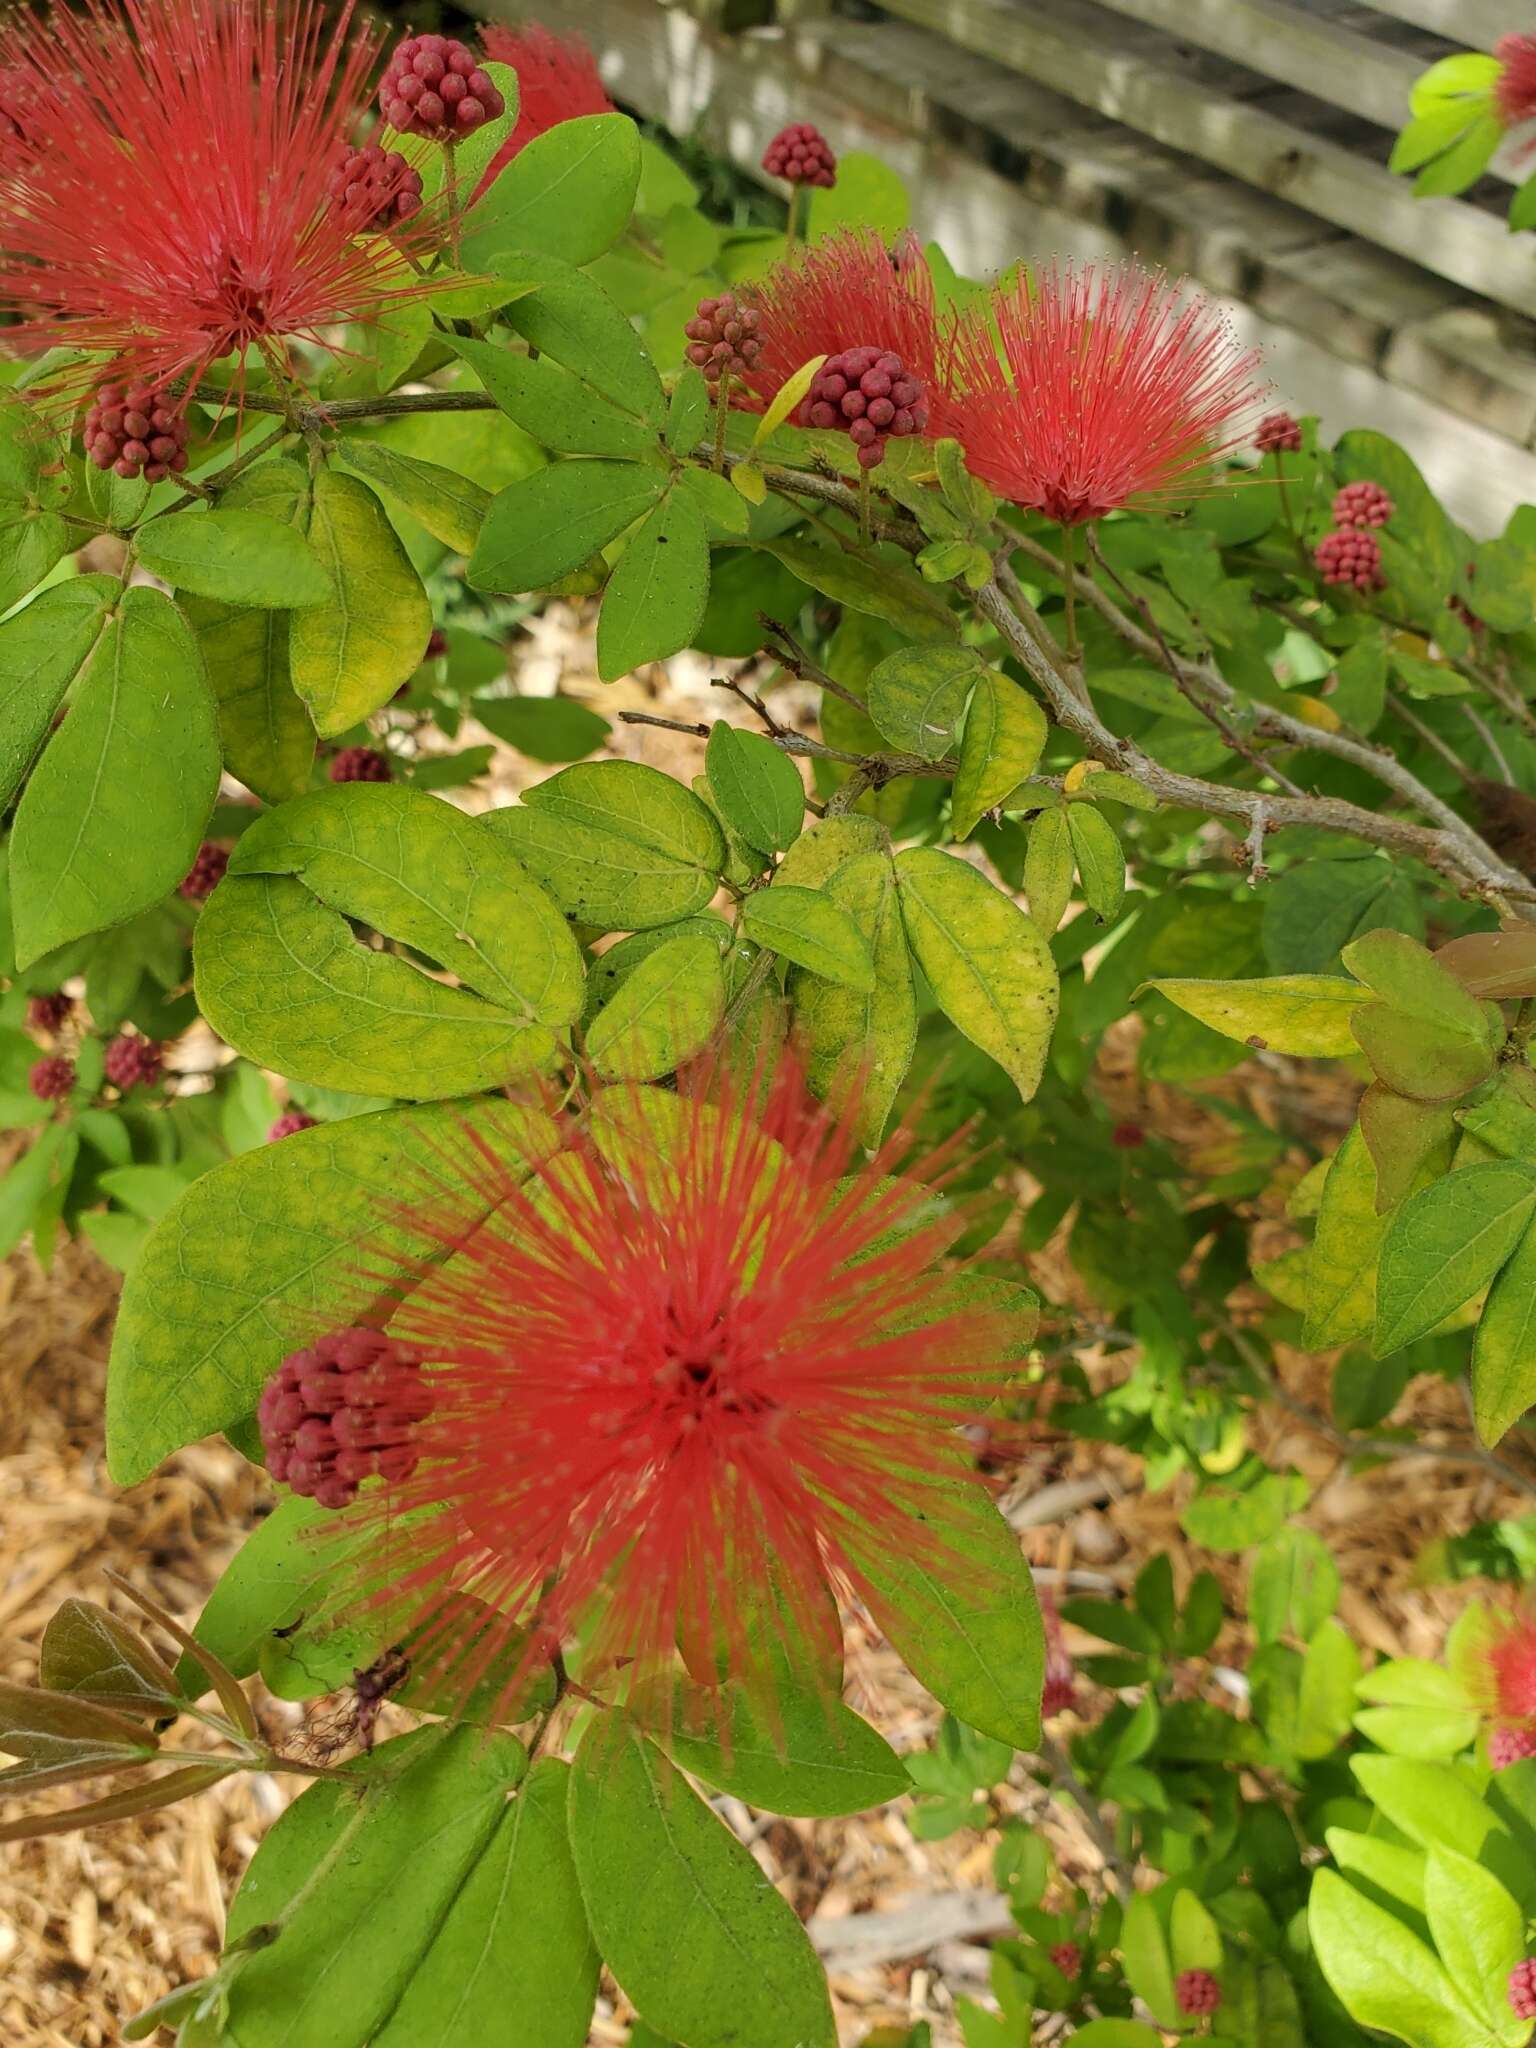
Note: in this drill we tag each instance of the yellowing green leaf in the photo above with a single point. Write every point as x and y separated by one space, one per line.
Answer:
350 655
987 963
1005 734
1307 1015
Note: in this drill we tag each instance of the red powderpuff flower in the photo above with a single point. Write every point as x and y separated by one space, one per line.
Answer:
696 1370
557 80
1497 1664
1110 386
849 291
178 209
1514 90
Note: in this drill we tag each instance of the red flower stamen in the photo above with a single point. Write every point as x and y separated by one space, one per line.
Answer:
557 80
696 1370
177 209
846 292
1078 392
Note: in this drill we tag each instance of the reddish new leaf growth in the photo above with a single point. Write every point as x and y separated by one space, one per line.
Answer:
1196 1991
801 155
1522 1990
52 1079
132 1062
557 79
871 396
290 1121
1278 434
698 1369
1363 504
205 873
176 207
1128 1137
847 292
1078 392
1514 90
360 764
1351 557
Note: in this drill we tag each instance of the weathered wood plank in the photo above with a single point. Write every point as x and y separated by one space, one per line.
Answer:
1294 45
1063 45
1477 23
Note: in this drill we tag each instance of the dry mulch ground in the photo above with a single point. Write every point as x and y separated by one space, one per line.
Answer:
92 1928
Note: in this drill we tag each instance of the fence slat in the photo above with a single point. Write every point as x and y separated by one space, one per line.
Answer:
1288 43
1477 23
1065 47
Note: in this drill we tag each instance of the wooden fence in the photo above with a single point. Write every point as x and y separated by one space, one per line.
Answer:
1242 141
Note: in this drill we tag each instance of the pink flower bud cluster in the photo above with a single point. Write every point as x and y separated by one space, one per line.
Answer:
1363 504
1196 1991
51 1080
723 339
135 431
360 764
342 1411
435 86
872 395
374 188
1350 557
205 873
1278 434
132 1062
801 155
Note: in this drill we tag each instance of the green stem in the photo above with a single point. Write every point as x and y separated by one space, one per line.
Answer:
451 194
722 417
792 225
1071 648
864 496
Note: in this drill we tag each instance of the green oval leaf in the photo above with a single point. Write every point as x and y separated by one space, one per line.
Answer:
986 962
808 1754
619 845
1445 1244
882 589
757 787
281 977
698 1939
448 505
1504 1348
114 813
553 405
655 600
806 926
858 1046
360 1879
1100 862
42 650
1049 864
960 1609
349 655
567 193
416 869
1307 1015
239 557
662 1013
1005 735
543 526
1341 1271
233 1276
1381 1972
917 697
